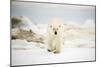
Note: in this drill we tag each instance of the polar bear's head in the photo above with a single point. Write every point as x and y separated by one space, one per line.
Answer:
56 27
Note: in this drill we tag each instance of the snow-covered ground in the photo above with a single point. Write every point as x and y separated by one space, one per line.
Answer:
32 53
79 45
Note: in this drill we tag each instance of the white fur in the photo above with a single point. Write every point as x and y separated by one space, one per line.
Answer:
55 41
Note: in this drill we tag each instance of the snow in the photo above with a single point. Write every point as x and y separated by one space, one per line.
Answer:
79 45
89 22
40 28
25 53
42 56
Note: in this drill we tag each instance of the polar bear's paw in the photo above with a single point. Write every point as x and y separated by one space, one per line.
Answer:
49 50
56 52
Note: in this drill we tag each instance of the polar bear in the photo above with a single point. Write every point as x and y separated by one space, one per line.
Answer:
55 36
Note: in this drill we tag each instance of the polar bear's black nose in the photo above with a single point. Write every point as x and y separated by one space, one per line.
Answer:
55 32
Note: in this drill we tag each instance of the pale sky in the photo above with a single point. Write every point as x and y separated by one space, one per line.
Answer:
43 12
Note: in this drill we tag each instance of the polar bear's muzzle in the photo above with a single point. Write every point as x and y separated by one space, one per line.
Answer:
55 32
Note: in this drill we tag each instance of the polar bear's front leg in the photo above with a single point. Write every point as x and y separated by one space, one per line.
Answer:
50 45
58 47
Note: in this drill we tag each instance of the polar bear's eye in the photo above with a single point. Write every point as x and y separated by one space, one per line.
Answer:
51 26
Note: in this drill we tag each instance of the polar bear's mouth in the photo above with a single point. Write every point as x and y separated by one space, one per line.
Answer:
55 32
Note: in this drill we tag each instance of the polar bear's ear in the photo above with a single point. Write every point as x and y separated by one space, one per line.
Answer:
59 26
50 26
